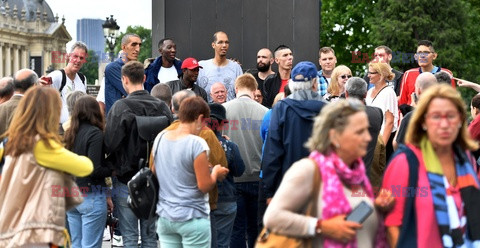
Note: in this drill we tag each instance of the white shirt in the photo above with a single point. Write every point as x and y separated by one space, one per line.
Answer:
167 74
387 101
70 86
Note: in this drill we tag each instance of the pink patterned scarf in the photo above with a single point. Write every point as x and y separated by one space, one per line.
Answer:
334 171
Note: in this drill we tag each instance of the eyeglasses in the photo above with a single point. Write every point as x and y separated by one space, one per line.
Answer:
423 53
345 76
372 72
437 117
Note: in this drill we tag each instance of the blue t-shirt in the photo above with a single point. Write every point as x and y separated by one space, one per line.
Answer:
180 199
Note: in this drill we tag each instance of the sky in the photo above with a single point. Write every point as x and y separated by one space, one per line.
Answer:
126 12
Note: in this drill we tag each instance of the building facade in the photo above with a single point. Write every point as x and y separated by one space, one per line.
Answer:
90 31
30 37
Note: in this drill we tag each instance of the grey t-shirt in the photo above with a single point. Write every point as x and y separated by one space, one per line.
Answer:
179 197
211 74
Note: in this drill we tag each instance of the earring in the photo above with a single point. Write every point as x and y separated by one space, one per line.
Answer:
424 128
337 145
459 126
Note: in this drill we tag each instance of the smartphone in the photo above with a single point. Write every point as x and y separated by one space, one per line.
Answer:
46 80
360 213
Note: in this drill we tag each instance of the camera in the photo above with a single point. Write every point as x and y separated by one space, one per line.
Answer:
111 221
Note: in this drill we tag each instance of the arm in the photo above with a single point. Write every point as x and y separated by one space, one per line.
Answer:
217 154
95 153
238 166
468 84
387 131
205 180
393 233
404 91
59 158
115 129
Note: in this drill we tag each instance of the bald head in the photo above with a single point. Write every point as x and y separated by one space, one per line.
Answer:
218 93
178 97
24 79
424 80
6 89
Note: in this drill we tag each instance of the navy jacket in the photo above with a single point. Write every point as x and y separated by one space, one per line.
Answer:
113 83
290 127
151 72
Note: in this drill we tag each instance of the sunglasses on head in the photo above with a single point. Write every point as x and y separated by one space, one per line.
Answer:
345 76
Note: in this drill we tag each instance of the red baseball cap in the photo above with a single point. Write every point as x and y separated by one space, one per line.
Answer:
190 63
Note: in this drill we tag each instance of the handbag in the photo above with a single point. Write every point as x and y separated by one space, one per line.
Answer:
74 199
268 239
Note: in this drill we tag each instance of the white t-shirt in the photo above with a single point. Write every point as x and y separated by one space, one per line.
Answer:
386 100
70 86
167 74
101 92
211 74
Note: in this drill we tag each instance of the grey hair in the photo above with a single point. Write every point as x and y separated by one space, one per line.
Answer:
8 88
178 97
126 38
79 44
356 87
334 115
295 86
72 99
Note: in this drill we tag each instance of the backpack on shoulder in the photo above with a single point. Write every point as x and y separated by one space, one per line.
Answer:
143 187
64 79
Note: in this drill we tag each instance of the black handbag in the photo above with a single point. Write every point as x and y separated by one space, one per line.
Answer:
143 188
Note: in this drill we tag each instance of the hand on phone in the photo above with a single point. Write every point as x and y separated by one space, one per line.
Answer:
45 81
360 213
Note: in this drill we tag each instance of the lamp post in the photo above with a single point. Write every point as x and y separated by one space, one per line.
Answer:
110 32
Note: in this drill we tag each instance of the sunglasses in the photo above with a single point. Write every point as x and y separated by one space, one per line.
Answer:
345 76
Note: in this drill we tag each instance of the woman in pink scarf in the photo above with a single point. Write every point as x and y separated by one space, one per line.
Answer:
339 140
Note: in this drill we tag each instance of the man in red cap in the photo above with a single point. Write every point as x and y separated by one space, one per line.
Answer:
190 68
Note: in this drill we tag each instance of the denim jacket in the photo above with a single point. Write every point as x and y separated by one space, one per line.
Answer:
226 188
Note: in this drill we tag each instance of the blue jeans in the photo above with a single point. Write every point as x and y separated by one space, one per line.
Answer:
128 222
246 219
191 233
224 219
87 221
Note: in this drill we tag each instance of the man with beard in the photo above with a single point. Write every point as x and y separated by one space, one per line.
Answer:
264 66
166 67
327 61
219 69
190 68
276 83
69 79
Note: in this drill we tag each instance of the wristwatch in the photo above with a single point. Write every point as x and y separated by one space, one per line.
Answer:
318 227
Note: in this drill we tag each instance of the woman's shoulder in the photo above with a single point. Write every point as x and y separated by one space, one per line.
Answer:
306 166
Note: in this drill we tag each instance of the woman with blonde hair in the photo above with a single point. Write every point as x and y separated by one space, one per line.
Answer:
339 140
383 97
33 193
442 210
336 87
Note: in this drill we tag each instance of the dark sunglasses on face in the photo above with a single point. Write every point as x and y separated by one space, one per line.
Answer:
345 76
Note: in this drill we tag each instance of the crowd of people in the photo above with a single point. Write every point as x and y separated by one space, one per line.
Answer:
242 151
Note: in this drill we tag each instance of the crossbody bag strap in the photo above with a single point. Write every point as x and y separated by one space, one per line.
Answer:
311 209
153 155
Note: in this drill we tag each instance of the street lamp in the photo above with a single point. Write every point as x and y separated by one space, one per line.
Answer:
110 32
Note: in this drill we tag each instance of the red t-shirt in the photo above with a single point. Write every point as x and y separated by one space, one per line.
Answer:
282 87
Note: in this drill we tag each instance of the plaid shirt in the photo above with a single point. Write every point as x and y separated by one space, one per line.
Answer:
322 83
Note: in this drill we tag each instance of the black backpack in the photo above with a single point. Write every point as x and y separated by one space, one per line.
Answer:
64 79
143 187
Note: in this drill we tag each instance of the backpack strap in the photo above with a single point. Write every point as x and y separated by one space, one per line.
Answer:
64 79
408 231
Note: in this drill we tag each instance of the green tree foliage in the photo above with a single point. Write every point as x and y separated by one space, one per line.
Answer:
90 68
146 36
344 28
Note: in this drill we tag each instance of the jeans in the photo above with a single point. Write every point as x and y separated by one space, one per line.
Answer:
191 233
224 219
87 221
128 222
246 219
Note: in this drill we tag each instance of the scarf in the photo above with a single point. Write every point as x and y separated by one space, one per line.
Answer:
334 171
446 213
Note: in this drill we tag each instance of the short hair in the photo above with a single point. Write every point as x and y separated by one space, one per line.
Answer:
72 99
383 69
280 47
191 108
476 101
160 43
415 130
426 43
25 83
162 92
126 38
216 34
333 86
134 71
9 87
387 49
37 115
356 87
246 81
443 77
178 98
325 50
333 116
79 44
